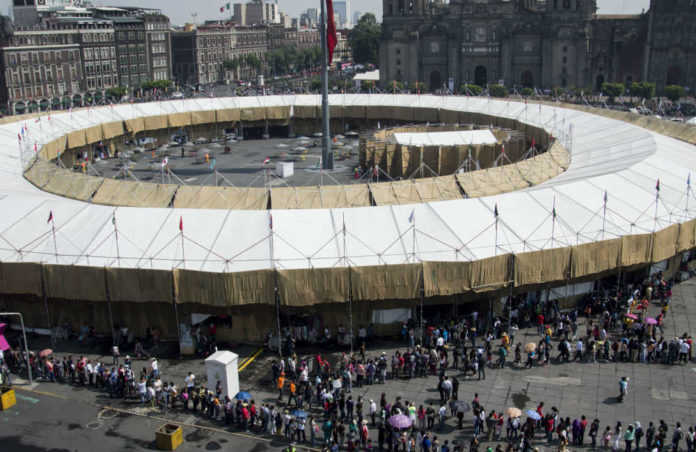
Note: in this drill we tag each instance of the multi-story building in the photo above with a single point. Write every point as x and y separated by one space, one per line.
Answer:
536 43
43 68
98 48
256 12
143 45
342 8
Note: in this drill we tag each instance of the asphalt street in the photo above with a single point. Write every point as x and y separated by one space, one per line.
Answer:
51 416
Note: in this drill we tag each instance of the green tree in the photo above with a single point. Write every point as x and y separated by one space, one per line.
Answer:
315 85
498 91
471 89
526 91
645 90
674 92
116 93
364 40
613 90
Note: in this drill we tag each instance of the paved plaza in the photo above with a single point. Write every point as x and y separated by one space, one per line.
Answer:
656 392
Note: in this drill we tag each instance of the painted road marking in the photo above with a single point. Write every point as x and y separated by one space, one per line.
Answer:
555 381
27 398
250 360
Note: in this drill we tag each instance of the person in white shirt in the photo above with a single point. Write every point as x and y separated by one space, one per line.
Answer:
190 381
155 367
142 390
89 373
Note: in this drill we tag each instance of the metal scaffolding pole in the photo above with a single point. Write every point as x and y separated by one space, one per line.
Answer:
326 155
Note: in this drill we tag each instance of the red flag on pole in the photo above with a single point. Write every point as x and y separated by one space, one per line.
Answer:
181 224
331 38
222 9
50 217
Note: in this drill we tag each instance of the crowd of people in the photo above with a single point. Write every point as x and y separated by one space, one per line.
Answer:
319 402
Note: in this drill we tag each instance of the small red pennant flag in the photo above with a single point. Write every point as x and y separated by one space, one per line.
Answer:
181 224
50 217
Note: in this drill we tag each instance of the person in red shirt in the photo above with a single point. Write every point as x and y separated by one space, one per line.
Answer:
246 416
540 324
583 428
540 409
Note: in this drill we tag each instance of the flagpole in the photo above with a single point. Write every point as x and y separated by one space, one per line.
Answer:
553 221
496 230
350 294
657 202
118 251
326 160
688 191
604 217
181 232
55 244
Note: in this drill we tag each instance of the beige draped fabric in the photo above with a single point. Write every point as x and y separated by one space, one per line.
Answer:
544 266
134 194
224 289
446 278
22 278
665 243
491 274
135 125
77 139
687 236
205 197
636 249
112 129
595 258
179 119
307 287
386 282
72 282
155 122
139 285
228 115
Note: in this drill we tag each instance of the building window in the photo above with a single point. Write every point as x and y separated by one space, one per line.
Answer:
565 49
565 60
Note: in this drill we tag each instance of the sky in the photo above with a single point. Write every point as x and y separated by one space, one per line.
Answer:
179 11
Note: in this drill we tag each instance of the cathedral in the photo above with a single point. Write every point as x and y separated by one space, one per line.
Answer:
536 43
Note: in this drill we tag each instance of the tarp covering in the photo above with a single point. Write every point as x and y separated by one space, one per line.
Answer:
277 113
253 114
227 115
179 119
341 196
205 197
73 185
224 289
539 267
665 243
305 112
636 249
296 198
94 134
437 188
77 139
139 285
112 129
491 273
306 287
386 282
202 117
41 173
595 258
446 278
54 148
135 125
155 122
687 236
72 282
134 194
20 278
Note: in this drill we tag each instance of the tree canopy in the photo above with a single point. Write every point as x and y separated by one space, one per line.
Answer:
364 40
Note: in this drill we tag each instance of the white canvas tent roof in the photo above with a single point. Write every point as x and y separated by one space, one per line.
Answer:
607 156
457 138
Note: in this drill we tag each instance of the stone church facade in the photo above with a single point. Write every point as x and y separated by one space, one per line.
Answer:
536 43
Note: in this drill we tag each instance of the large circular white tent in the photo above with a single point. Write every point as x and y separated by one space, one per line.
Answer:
624 182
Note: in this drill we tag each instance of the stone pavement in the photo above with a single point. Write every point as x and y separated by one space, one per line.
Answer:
656 391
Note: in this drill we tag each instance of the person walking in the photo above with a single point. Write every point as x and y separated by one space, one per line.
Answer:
623 388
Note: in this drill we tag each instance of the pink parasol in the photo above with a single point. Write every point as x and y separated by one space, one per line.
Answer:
651 321
632 316
3 342
400 421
